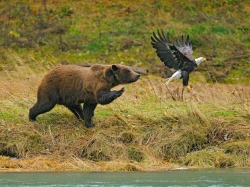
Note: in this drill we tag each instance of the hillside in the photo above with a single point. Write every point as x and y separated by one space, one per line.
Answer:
111 32
150 127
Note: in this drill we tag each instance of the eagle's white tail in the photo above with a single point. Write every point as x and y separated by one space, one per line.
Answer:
176 75
168 80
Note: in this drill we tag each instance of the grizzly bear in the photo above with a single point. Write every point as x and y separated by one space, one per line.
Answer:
71 85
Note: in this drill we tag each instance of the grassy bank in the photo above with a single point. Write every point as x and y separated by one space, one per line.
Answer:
148 128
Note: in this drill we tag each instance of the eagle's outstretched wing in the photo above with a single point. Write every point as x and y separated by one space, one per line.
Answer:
178 55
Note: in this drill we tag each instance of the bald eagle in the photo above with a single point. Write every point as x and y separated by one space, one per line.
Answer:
178 55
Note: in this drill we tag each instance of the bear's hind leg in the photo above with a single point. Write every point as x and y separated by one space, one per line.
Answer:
88 112
39 108
77 110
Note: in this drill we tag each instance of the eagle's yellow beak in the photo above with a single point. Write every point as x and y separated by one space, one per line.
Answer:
189 88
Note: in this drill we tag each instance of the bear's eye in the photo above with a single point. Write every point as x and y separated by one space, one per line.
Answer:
126 71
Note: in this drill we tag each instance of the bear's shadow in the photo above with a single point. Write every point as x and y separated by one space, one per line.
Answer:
57 118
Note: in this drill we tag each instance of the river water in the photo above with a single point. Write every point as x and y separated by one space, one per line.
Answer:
179 178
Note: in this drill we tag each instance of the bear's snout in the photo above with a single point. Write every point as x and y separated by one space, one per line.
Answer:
135 77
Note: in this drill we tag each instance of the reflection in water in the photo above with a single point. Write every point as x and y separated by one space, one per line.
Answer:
183 178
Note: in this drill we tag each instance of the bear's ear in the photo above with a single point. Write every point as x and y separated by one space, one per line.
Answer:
114 68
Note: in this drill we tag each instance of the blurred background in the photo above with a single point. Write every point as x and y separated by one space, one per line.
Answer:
41 32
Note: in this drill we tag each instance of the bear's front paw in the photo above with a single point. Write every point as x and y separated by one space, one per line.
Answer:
120 92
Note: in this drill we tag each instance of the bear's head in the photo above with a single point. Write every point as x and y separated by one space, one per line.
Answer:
121 74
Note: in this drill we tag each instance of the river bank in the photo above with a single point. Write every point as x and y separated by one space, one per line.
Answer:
150 127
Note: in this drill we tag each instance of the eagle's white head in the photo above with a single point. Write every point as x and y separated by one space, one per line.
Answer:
199 60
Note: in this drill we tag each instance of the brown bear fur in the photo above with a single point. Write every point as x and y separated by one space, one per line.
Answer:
71 85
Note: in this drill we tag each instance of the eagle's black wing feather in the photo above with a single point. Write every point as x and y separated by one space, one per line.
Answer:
177 56
165 50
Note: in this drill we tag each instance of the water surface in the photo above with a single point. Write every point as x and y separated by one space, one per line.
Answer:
182 178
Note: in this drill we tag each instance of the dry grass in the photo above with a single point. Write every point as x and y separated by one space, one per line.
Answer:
145 129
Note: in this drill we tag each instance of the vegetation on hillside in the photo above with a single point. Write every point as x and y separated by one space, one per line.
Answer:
147 128
111 32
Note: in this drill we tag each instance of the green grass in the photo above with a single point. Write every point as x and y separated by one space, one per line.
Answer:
98 32
225 113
